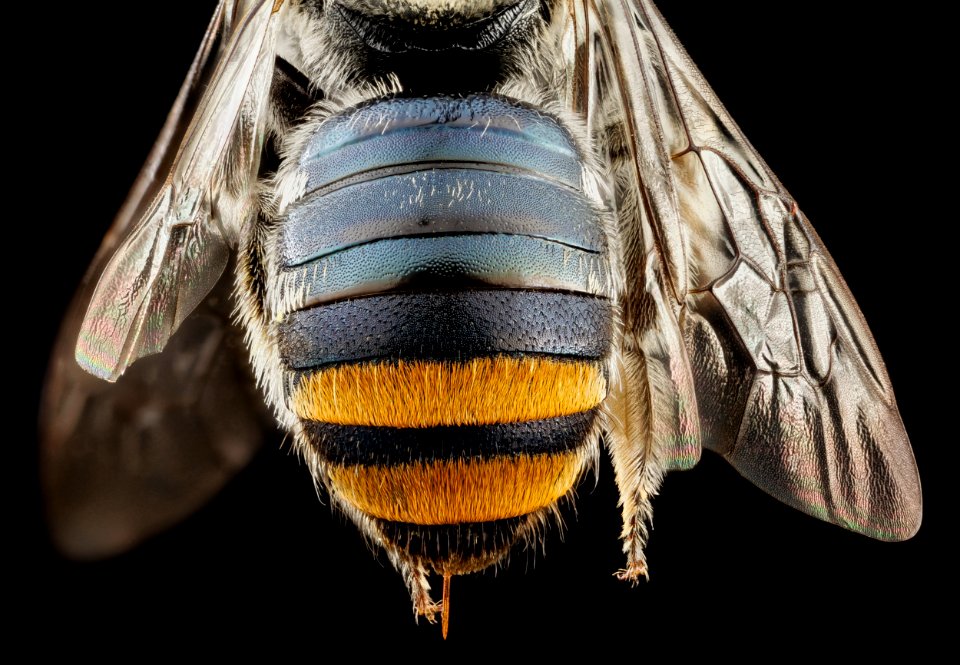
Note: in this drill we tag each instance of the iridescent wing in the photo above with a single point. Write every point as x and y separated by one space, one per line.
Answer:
122 461
789 385
173 256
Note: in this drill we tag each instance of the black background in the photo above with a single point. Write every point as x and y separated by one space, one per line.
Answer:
839 108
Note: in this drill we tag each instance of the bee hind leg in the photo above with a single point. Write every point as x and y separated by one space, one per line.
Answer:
411 568
637 515
634 536
415 577
638 471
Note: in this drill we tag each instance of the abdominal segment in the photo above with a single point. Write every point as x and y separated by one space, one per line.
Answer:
488 423
448 442
447 321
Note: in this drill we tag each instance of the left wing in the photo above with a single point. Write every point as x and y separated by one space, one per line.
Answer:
173 256
123 461
790 387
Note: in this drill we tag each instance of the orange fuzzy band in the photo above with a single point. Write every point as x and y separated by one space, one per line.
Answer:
458 491
420 393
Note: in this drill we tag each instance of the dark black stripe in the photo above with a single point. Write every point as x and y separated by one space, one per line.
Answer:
350 445
447 326
290 92
456 548
399 33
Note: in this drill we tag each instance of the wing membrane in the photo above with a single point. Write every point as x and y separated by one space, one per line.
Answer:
655 404
790 387
122 461
176 252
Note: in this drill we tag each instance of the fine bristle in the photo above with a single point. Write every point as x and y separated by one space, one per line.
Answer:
479 391
458 491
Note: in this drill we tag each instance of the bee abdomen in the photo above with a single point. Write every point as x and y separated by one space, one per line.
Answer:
433 198
449 325
350 445
445 442
454 474
446 317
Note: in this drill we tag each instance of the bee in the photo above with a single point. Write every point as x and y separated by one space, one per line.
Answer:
455 284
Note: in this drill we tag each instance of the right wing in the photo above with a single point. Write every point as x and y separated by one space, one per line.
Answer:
122 461
790 387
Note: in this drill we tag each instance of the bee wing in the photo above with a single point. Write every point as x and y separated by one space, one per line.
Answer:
122 461
170 259
790 387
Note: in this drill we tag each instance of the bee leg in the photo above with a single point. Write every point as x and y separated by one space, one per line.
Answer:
637 515
415 576
411 568
634 537
638 472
